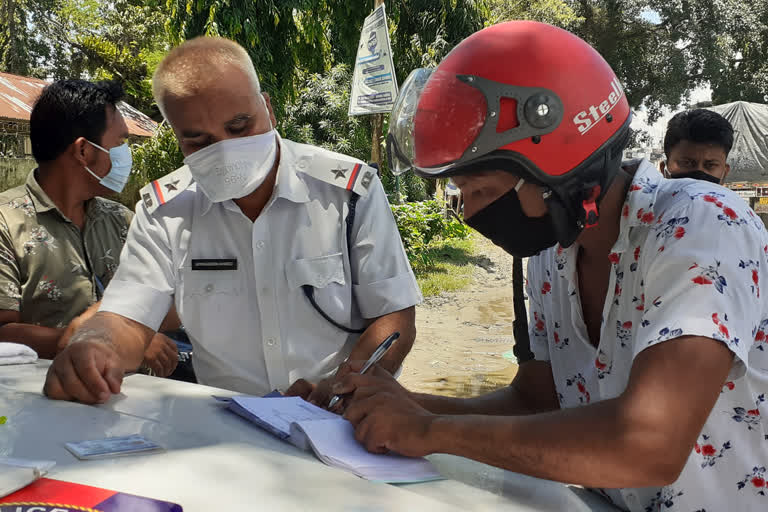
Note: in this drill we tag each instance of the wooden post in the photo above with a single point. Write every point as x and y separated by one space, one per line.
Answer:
377 123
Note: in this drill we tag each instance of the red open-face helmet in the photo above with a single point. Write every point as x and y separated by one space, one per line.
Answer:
523 97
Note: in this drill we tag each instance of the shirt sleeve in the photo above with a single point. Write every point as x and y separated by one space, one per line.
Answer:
144 283
128 215
382 279
701 278
10 282
537 324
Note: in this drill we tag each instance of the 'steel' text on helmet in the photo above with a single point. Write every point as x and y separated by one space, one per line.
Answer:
586 119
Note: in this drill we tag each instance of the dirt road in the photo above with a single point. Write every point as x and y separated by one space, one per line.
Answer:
463 336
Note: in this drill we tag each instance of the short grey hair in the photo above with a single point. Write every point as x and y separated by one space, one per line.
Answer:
193 64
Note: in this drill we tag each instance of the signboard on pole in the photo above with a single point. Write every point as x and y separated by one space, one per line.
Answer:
374 85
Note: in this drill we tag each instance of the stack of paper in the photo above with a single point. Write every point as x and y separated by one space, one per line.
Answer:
333 441
331 437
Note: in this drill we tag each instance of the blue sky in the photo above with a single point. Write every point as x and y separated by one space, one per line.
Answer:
651 15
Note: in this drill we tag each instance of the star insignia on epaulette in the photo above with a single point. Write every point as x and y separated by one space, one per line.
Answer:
338 172
172 185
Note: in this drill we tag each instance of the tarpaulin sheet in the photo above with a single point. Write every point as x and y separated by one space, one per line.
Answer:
749 156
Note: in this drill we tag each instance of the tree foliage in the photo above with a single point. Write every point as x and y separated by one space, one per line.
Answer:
426 30
23 51
153 158
554 12
121 39
318 115
663 49
304 49
267 29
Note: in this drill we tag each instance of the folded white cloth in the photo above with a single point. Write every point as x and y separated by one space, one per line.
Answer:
16 353
16 474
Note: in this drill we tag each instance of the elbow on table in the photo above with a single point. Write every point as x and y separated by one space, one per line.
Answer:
655 455
665 470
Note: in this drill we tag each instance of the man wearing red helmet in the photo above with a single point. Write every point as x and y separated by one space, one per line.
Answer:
646 318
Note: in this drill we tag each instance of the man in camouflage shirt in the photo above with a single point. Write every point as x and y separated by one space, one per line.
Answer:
59 242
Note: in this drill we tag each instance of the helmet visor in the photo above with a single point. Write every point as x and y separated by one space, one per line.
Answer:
441 121
421 135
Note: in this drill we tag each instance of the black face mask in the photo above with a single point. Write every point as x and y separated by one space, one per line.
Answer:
505 224
697 175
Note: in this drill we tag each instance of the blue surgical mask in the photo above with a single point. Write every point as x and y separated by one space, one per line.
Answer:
122 161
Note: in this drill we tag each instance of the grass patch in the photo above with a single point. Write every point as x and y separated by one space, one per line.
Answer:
449 265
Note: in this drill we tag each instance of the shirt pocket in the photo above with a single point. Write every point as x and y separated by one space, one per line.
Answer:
213 304
318 272
331 289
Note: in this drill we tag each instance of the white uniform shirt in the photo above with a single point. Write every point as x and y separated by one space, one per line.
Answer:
689 261
253 329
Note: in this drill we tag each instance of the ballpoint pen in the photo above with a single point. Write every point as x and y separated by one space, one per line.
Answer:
375 358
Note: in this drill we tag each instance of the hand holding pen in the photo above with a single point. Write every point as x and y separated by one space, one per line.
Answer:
379 353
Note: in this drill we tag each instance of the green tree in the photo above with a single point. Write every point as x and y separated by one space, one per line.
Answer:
318 115
153 158
645 55
555 12
662 49
22 49
269 30
639 138
728 40
424 31
121 39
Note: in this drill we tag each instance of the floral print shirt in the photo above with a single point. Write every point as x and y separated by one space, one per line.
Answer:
689 261
48 267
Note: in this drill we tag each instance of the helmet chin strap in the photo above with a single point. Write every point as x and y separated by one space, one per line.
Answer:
519 185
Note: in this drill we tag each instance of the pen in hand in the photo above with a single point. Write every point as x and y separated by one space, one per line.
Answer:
375 358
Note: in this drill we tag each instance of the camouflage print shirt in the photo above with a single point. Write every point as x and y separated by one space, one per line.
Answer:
50 271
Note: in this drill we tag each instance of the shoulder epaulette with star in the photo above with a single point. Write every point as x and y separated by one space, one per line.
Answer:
348 174
160 191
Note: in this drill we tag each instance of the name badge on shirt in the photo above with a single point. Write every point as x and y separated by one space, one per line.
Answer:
214 264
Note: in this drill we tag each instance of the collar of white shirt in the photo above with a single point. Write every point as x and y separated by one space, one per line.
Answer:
637 211
288 185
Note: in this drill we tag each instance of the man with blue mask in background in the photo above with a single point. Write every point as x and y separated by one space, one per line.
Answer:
59 241
283 260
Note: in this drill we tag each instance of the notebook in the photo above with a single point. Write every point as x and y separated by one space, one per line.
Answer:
331 438
47 495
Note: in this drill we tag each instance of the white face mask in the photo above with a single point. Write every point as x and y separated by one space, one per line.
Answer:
118 175
233 168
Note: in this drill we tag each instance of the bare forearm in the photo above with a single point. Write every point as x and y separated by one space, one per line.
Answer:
171 322
129 339
532 391
43 340
594 446
506 401
399 321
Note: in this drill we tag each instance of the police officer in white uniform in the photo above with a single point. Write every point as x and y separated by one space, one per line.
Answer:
283 260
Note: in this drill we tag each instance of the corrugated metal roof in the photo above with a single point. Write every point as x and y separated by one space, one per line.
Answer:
18 95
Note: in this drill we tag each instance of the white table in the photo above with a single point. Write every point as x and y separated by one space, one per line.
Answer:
218 461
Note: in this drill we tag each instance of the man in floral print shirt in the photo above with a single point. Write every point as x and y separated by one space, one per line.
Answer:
647 320
59 241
